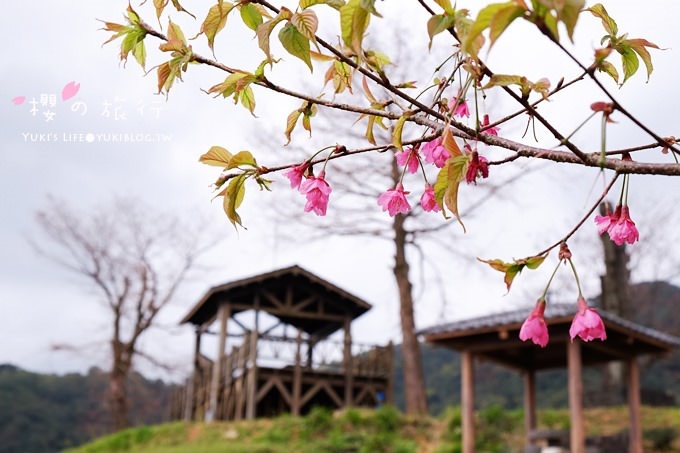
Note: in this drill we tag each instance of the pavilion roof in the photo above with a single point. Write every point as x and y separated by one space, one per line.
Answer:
292 294
496 337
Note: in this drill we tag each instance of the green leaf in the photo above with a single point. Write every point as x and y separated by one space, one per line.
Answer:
483 21
296 44
247 98
306 23
139 52
369 5
233 197
446 6
242 158
291 121
250 15
447 184
437 24
505 80
180 8
630 61
176 41
608 23
511 270
398 129
502 20
533 262
337 4
609 68
354 21
215 21
216 156
569 15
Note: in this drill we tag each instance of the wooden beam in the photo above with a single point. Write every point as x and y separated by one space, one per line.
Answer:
347 364
223 314
272 298
251 385
577 433
297 314
297 376
635 437
529 404
467 397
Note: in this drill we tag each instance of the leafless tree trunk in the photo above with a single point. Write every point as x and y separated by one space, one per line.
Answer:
136 259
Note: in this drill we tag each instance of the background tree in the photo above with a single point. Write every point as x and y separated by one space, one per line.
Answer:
135 259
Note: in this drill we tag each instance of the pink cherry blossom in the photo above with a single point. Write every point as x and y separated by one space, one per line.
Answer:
435 153
295 175
624 230
492 130
317 191
587 324
604 223
462 109
478 166
534 327
394 201
408 157
428 201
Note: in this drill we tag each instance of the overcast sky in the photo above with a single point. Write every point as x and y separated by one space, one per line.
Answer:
62 151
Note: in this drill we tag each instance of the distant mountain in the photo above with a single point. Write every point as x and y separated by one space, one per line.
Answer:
654 304
45 413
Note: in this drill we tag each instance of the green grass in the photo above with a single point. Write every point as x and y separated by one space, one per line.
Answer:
383 430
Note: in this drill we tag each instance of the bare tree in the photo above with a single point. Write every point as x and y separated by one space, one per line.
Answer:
135 259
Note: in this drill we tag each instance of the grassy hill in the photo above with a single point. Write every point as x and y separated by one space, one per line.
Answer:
383 430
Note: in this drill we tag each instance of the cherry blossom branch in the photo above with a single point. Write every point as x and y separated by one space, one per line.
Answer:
583 220
591 73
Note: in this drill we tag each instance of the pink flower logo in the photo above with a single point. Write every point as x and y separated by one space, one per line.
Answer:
18 100
534 327
69 90
587 324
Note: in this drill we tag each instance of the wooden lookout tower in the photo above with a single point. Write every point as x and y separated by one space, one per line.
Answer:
276 328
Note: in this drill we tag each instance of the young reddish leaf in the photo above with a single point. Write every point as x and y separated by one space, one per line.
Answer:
160 6
250 15
176 41
511 270
377 60
640 47
542 87
215 21
180 8
449 143
306 23
165 76
608 23
296 44
318 56
242 158
216 156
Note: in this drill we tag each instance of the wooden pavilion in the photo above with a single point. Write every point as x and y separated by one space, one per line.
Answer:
281 358
496 338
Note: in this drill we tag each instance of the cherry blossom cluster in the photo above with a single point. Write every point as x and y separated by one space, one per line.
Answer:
587 323
315 188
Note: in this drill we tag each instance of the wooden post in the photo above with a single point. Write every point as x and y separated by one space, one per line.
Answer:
635 437
192 384
577 434
529 404
297 376
347 365
223 314
251 384
310 351
467 398
389 398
